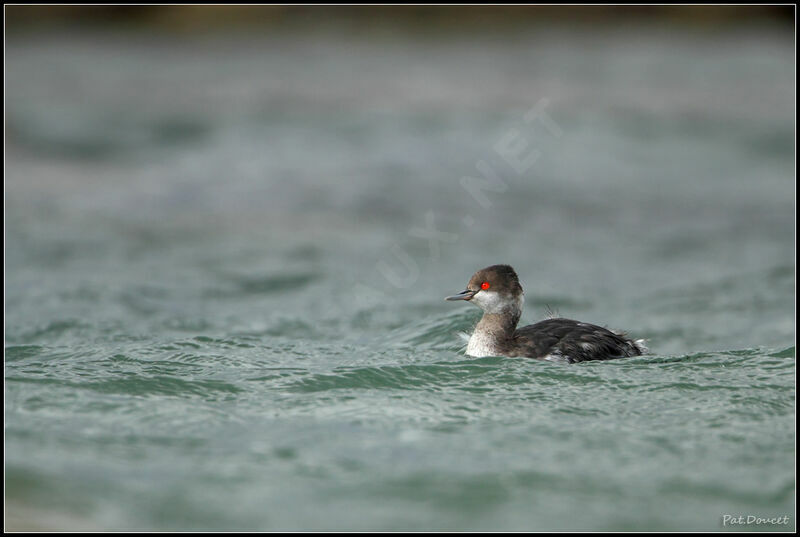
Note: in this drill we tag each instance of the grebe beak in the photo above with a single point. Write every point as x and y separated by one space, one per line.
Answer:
466 294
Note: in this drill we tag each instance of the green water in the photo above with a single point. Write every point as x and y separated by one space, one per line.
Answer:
223 304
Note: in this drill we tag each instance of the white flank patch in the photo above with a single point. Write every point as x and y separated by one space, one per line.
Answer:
556 356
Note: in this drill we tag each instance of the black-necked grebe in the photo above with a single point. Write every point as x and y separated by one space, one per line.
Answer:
496 290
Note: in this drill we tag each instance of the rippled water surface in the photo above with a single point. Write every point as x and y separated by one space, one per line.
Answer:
224 306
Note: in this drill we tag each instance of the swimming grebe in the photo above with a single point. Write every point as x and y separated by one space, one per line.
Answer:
496 290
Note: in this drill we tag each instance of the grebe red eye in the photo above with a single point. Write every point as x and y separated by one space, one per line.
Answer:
485 286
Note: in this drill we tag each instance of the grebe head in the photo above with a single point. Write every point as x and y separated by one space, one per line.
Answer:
494 289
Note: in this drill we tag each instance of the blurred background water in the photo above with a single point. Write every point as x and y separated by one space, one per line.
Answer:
224 302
